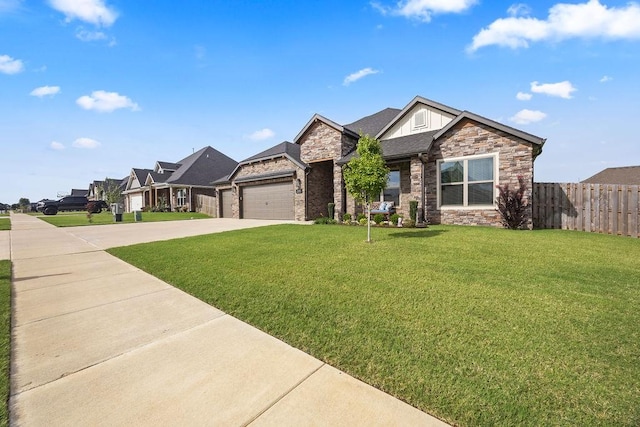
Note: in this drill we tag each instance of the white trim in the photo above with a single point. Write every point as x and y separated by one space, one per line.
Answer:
465 184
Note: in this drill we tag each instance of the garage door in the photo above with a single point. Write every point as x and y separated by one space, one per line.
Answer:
225 204
136 202
268 201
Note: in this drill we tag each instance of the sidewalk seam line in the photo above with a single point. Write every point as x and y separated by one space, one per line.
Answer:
285 394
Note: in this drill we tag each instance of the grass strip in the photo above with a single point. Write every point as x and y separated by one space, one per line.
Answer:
5 338
74 219
477 326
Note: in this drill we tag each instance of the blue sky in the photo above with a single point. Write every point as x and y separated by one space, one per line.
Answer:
92 88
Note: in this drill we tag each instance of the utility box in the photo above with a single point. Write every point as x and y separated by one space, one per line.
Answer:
117 209
137 216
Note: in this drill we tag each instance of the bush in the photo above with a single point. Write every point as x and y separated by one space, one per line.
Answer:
378 218
512 206
413 210
360 217
362 221
408 223
346 218
331 208
324 220
394 219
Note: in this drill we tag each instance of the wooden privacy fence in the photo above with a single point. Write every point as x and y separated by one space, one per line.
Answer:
598 208
206 205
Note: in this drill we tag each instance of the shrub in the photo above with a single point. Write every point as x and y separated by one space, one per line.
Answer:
360 217
408 223
331 208
378 218
413 210
346 218
362 221
512 206
324 220
394 218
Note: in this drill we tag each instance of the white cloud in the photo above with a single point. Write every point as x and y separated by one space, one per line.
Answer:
424 9
522 96
519 9
8 65
91 11
561 89
45 91
86 143
106 102
585 20
262 134
358 75
525 116
56 146
605 79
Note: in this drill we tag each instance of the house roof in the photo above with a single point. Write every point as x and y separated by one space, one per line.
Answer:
402 147
202 168
373 124
168 165
78 192
318 118
158 178
285 149
625 175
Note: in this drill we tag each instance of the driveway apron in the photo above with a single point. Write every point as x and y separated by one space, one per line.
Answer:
96 341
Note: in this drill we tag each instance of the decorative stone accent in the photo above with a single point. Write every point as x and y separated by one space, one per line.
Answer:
467 139
320 142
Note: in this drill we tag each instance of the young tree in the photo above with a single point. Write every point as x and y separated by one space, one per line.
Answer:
25 204
111 191
366 175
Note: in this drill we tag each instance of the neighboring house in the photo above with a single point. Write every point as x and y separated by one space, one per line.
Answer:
175 186
448 160
78 192
98 191
626 175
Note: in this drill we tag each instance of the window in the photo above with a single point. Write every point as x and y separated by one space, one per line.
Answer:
392 191
467 182
182 197
420 119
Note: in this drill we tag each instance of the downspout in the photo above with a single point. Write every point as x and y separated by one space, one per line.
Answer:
422 188
307 171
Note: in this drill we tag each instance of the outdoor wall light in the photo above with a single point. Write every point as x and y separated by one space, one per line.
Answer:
298 186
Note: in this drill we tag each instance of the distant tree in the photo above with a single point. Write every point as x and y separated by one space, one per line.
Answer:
25 204
111 191
366 175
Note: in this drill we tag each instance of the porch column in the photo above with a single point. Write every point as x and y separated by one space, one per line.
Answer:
340 204
417 184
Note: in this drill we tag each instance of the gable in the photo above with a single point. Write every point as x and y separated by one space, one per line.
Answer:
418 119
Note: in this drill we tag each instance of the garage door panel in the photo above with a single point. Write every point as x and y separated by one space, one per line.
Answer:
268 201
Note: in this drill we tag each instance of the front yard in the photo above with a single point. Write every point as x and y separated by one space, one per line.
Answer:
476 326
74 219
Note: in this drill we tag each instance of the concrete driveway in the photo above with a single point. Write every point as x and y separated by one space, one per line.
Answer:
96 341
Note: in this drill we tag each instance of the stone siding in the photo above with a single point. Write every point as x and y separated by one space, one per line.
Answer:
266 167
320 142
468 139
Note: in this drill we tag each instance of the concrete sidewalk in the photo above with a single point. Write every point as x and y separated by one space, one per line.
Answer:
96 341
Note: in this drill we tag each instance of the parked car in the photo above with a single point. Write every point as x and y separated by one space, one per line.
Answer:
67 203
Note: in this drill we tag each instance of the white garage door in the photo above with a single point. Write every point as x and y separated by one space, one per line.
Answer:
225 204
268 201
135 202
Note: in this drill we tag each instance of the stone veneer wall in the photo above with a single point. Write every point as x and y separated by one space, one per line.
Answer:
466 139
319 189
320 142
270 166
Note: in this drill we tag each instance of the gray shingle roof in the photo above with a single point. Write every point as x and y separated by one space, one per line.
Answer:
402 147
168 165
202 168
626 175
141 174
285 147
374 123
160 177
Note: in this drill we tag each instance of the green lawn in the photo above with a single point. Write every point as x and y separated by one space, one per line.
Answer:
5 224
477 326
5 338
73 219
